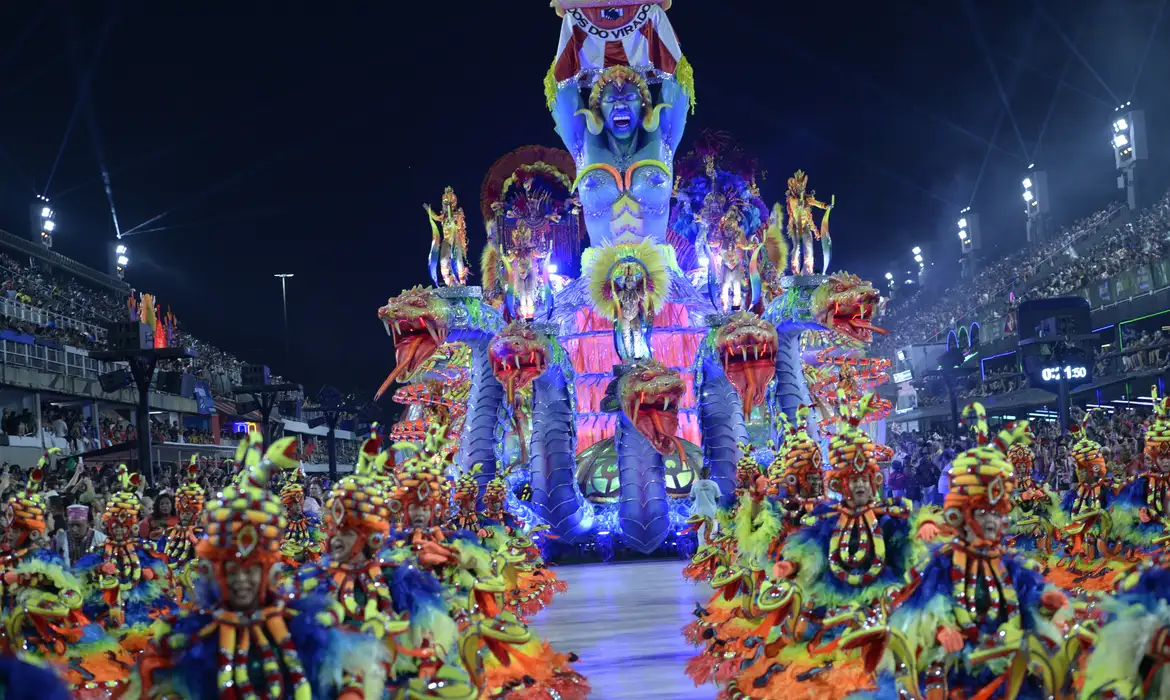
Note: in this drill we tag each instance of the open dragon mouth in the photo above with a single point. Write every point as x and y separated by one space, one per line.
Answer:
854 317
747 348
517 359
415 340
654 412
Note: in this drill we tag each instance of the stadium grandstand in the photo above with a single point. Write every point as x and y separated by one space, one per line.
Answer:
54 313
1118 261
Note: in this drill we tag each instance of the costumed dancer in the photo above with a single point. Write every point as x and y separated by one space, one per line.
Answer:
1089 558
1036 516
386 592
41 604
180 539
129 582
959 625
1139 513
802 470
303 538
244 640
838 565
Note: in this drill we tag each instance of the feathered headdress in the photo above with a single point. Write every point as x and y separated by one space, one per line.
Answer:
642 266
1158 434
982 477
420 478
852 452
190 496
293 490
124 507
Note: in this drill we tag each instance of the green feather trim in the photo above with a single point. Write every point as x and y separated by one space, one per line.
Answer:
1125 526
754 535
1120 649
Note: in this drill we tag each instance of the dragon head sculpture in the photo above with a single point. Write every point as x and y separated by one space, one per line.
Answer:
519 355
848 305
417 321
649 394
747 348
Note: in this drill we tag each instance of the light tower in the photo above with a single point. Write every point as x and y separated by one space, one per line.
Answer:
119 257
42 219
1129 147
970 240
1036 204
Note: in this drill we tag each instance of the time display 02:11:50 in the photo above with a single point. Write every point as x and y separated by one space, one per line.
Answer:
1052 374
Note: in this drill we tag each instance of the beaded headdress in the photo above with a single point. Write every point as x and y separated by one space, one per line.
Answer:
1158 434
360 503
1087 454
246 522
293 490
189 497
982 477
420 479
851 452
124 508
802 459
26 508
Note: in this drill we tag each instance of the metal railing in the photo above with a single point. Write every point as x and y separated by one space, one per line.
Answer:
68 361
32 314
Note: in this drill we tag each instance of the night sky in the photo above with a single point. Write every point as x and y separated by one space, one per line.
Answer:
304 138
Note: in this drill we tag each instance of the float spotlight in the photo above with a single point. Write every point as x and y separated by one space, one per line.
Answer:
916 250
119 258
889 275
41 217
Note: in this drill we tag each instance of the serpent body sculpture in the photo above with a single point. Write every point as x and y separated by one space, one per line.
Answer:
842 303
420 321
734 367
648 395
520 355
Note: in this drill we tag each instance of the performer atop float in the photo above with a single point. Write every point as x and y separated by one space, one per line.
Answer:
802 228
448 256
245 640
623 135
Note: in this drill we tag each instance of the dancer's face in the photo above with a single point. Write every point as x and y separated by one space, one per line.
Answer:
78 528
990 526
420 516
859 493
243 585
341 547
12 536
294 508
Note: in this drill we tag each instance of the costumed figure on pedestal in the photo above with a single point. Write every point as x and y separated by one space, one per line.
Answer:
129 582
41 603
385 592
802 228
1139 515
302 538
977 620
621 131
448 256
628 283
245 640
1036 517
838 566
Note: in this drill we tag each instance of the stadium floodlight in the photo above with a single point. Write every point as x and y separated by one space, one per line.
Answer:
1028 196
889 275
552 268
1027 183
918 259
962 235
123 260
963 222
50 225
46 213
916 250
1121 125
121 249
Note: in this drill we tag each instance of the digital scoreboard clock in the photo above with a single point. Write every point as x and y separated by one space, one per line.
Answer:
1069 372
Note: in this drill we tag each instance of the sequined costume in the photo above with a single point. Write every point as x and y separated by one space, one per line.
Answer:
839 564
302 538
128 583
385 591
1036 517
180 539
976 604
41 602
244 642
